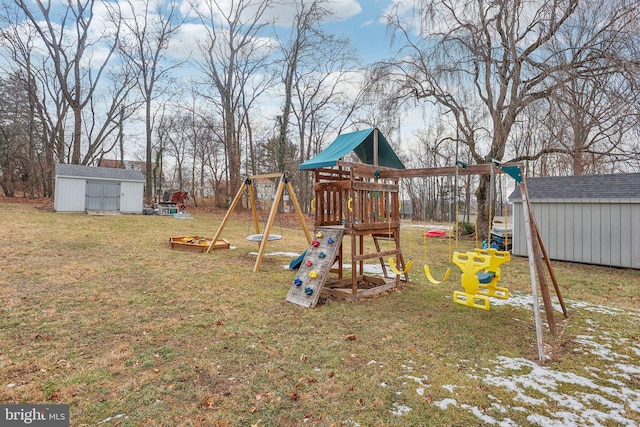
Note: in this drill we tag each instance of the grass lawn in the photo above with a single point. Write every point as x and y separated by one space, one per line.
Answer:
98 312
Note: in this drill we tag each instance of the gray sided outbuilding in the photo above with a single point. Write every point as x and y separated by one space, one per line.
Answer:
591 219
84 188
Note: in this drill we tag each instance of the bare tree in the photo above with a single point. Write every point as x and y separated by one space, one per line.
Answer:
591 104
325 95
19 90
45 103
234 53
174 130
70 36
106 113
305 38
486 61
14 132
147 28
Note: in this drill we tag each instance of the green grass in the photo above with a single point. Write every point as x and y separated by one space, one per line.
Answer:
99 313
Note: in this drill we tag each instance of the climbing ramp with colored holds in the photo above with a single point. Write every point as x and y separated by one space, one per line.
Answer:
316 265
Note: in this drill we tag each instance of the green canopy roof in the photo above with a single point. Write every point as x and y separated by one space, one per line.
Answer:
361 143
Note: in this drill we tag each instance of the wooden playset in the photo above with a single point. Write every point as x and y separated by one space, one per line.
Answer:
363 209
360 209
355 202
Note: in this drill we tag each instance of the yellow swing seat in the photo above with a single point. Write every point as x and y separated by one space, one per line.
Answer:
431 279
392 266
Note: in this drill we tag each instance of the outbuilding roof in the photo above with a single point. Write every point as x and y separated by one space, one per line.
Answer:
360 142
614 186
79 171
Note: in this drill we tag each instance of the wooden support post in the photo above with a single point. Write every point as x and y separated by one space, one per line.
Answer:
252 203
542 279
296 206
375 147
267 228
532 272
549 267
354 266
227 216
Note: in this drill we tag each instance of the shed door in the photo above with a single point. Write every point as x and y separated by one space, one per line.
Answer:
102 196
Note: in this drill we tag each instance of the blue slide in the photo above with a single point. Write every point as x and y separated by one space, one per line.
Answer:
296 262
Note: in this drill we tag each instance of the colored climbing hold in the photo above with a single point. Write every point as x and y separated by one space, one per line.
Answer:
308 290
297 282
322 255
309 263
313 274
319 234
315 243
330 240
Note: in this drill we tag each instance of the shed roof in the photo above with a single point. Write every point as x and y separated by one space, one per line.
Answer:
79 171
613 186
361 142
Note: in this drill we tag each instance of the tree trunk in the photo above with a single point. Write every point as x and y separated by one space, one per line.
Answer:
148 169
77 133
486 207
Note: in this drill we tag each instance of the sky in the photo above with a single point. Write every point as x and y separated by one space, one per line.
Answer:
366 29
361 21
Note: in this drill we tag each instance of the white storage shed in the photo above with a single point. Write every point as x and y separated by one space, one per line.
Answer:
591 219
83 188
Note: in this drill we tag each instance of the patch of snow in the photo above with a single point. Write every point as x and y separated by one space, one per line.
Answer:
601 350
526 301
115 417
544 381
628 369
400 410
449 387
445 403
487 419
420 380
560 398
289 254
600 397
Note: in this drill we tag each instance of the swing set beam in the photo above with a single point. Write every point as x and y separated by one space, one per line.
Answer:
388 173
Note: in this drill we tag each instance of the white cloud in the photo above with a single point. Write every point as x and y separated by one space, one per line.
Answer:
281 13
339 10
